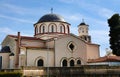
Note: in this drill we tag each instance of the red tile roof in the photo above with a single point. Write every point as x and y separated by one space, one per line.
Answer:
105 59
26 37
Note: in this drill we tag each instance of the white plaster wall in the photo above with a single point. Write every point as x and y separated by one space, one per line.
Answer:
61 49
33 54
5 60
93 51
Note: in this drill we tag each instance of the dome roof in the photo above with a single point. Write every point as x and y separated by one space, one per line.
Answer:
83 23
51 18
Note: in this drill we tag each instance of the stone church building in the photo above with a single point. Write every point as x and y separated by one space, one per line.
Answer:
51 46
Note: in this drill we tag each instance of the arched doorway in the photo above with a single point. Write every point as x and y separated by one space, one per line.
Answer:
72 63
40 62
64 63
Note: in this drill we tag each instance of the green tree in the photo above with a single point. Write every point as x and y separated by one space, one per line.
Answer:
114 24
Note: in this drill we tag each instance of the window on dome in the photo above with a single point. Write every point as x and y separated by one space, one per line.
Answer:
43 29
36 30
52 28
61 29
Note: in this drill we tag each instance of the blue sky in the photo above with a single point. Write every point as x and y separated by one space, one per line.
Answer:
20 15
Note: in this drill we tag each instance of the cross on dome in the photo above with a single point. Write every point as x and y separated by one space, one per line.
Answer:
51 10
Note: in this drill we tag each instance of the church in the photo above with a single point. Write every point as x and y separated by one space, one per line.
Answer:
52 45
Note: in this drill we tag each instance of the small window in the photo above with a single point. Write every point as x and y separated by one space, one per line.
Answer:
78 62
71 46
43 29
64 63
40 62
61 29
52 28
72 63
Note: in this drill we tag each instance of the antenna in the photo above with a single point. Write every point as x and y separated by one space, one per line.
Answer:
51 10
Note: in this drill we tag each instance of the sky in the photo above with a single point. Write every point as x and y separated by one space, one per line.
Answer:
20 15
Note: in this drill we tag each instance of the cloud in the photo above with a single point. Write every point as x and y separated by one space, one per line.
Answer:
13 8
15 19
105 12
6 30
100 36
20 10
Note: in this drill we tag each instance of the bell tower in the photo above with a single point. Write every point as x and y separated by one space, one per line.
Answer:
83 32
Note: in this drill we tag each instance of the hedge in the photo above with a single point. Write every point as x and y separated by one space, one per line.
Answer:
10 74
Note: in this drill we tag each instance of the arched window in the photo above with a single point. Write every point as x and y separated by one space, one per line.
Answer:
40 62
78 62
36 30
43 29
64 63
61 29
52 28
72 63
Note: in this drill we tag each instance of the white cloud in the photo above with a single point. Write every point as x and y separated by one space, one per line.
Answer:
14 8
20 10
105 12
100 36
16 19
6 30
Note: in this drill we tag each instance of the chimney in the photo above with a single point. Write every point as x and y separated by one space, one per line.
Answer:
18 49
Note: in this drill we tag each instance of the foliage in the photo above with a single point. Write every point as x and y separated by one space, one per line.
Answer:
114 24
10 74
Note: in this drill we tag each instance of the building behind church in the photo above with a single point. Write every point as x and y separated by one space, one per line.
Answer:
51 46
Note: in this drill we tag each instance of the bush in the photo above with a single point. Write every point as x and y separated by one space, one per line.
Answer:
10 74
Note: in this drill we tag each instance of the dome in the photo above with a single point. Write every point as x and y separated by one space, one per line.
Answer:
82 23
51 18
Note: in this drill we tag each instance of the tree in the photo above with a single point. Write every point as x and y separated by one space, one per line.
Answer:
114 24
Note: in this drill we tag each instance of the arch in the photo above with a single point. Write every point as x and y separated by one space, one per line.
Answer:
68 29
72 63
62 28
36 30
40 62
78 62
42 28
64 62
52 27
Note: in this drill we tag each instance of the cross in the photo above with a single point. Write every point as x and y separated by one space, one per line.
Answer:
82 20
51 10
